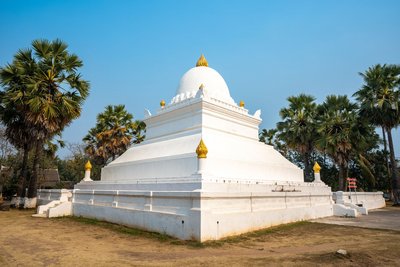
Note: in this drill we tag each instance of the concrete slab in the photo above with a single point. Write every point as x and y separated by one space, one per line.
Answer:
385 218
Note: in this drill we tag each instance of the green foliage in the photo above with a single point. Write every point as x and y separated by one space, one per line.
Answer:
377 177
268 136
8 175
380 96
71 169
43 86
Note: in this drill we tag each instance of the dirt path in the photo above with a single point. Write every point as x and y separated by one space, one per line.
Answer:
27 241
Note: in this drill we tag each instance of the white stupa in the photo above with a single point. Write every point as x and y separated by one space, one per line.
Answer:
201 173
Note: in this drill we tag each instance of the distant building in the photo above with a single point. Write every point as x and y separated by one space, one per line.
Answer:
49 178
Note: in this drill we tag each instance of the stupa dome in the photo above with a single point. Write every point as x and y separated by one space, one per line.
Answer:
211 80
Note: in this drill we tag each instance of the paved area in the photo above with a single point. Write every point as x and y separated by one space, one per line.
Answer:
386 218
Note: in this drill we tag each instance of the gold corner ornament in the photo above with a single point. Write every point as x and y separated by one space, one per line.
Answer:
201 150
162 103
88 166
316 167
241 103
202 62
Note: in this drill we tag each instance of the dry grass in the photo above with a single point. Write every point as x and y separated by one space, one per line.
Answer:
70 241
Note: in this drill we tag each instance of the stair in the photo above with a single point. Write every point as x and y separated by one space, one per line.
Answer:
344 211
55 208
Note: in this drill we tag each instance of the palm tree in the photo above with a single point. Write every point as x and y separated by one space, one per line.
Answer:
380 100
298 128
12 78
49 95
343 135
139 131
113 134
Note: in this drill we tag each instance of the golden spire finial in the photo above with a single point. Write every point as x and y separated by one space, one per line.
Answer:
202 62
241 103
201 150
162 103
201 87
88 166
316 167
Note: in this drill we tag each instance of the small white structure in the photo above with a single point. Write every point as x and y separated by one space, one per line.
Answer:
201 173
54 203
352 204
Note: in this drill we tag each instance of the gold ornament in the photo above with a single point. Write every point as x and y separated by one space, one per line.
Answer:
201 150
202 62
316 167
241 103
88 166
162 103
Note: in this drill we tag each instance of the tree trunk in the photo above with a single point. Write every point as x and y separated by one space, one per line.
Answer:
385 150
32 190
306 161
24 172
342 177
395 175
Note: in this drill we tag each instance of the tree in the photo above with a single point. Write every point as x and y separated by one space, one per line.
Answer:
114 132
344 136
47 92
18 130
380 100
268 136
298 128
139 132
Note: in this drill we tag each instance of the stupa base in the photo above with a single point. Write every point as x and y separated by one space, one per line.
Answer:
202 210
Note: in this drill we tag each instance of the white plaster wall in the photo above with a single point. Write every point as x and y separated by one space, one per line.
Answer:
206 184
160 168
173 213
143 185
152 151
173 122
224 122
237 157
201 215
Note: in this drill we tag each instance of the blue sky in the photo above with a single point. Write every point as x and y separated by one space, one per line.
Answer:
135 52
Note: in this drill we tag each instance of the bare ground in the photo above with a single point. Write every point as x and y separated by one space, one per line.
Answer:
28 241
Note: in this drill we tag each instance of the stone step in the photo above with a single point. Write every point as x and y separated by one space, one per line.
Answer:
39 215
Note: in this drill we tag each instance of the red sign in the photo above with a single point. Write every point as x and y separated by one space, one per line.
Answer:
351 183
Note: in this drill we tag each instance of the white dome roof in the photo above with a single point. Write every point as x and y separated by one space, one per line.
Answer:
212 81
